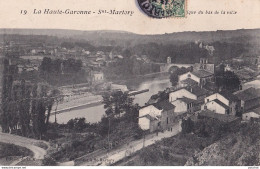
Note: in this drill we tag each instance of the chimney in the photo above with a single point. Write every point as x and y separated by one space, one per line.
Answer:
191 89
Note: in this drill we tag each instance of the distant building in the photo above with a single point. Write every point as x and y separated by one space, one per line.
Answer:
97 76
204 65
155 117
222 102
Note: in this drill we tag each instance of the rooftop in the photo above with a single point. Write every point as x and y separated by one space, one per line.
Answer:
186 100
248 94
221 117
164 105
189 82
197 90
221 104
201 73
228 95
148 117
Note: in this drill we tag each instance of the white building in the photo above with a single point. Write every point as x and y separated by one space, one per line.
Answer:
180 94
223 102
183 105
97 76
216 106
250 115
158 116
147 114
188 99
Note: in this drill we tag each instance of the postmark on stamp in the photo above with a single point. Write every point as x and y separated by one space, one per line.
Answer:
163 8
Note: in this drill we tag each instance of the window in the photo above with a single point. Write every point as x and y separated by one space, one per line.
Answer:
205 107
207 100
167 120
227 111
189 75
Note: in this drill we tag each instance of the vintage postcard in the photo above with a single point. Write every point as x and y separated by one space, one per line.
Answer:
129 83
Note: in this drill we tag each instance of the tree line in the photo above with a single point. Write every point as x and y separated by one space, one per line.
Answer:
25 107
62 72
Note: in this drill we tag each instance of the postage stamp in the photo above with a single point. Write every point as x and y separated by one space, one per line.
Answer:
163 8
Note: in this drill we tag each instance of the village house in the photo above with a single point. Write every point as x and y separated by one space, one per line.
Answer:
195 93
222 102
158 116
201 74
184 105
250 98
229 120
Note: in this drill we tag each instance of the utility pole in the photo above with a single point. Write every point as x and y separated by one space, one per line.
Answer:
108 133
144 139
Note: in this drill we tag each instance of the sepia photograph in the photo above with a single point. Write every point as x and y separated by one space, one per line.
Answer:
147 90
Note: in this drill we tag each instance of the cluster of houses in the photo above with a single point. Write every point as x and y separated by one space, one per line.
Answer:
193 97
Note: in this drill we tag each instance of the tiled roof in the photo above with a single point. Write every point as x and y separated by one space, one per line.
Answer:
197 90
201 73
164 105
189 81
221 117
221 104
186 100
248 94
148 117
228 95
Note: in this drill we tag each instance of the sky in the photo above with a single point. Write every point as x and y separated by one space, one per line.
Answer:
247 17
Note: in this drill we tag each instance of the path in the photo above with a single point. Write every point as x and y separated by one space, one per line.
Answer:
132 147
25 142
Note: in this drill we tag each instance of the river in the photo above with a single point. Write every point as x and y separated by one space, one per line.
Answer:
94 114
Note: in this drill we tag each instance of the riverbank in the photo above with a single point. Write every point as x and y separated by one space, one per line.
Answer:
80 101
78 107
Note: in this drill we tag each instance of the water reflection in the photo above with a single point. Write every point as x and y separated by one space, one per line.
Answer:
94 114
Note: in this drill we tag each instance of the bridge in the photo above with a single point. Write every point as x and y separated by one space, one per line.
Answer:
164 67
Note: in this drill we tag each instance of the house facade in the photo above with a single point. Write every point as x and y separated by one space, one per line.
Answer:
158 116
216 106
193 96
250 98
180 93
183 105
202 73
223 102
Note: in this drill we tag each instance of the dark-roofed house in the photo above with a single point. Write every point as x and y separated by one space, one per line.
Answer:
223 102
191 92
203 72
201 77
157 116
228 119
250 98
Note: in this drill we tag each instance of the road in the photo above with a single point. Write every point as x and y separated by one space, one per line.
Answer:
25 142
132 147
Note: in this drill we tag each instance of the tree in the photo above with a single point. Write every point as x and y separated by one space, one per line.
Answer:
227 80
117 102
176 72
187 125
